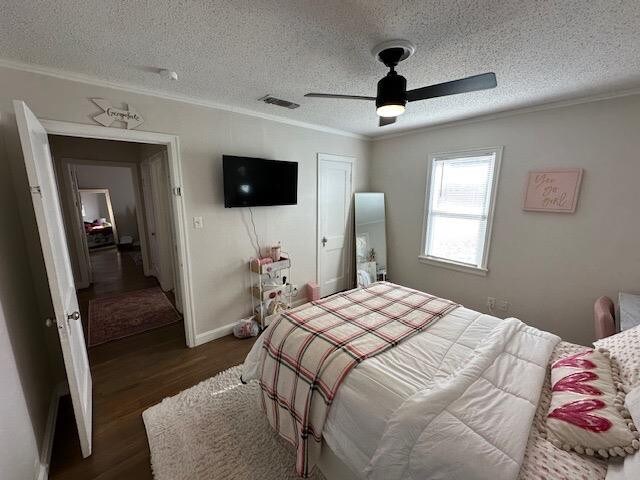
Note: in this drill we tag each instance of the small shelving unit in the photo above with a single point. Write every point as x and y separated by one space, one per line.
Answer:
268 286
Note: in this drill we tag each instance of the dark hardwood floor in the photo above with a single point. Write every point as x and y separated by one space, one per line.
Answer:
114 272
129 376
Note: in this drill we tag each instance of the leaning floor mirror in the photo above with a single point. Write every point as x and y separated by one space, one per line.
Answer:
97 215
371 239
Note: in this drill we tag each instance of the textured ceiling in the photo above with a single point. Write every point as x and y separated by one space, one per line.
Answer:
234 52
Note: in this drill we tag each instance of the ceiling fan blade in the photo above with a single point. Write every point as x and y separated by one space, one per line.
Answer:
387 121
483 81
348 97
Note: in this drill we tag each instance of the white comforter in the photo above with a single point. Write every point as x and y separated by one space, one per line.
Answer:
376 391
475 424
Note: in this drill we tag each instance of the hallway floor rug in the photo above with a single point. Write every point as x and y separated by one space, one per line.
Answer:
123 315
216 430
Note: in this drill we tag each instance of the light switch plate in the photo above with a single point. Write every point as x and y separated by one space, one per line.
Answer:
198 222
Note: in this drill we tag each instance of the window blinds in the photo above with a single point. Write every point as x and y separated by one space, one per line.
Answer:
459 205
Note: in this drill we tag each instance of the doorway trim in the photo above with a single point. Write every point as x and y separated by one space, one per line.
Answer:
351 161
172 143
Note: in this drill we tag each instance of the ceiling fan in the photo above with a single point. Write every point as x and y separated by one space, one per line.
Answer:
392 96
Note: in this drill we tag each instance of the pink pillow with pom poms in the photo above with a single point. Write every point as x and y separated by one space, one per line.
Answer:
587 412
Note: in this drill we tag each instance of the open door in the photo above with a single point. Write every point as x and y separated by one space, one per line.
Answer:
158 215
44 193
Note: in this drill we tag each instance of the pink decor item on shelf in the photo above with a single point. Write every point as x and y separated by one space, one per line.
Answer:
264 260
313 291
553 190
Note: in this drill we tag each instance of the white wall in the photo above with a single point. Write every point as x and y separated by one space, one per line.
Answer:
18 443
551 267
119 182
220 250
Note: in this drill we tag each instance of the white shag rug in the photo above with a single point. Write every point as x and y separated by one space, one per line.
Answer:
216 430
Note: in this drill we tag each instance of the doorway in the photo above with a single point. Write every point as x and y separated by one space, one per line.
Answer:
117 228
335 190
46 196
149 145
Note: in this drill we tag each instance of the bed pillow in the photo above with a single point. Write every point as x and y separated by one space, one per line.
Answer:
629 469
625 349
587 412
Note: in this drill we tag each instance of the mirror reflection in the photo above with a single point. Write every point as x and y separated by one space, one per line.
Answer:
371 241
97 215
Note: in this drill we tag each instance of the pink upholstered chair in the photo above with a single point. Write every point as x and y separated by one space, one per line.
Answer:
604 317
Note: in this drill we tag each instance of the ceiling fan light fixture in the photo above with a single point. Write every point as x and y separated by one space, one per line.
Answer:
391 97
391 110
392 94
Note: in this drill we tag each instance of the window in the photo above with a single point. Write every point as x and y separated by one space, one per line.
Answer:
459 208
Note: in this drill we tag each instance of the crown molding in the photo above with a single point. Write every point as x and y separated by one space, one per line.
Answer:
87 79
90 80
483 117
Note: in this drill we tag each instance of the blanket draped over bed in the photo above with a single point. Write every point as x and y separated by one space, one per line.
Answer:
309 351
480 415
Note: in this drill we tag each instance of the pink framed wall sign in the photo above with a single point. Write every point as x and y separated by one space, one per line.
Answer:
553 190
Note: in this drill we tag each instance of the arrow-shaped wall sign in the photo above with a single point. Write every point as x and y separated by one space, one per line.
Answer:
130 117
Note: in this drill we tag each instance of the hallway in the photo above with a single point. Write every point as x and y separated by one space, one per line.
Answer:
130 375
114 272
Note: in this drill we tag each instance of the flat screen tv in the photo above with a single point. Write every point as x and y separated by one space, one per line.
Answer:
255 182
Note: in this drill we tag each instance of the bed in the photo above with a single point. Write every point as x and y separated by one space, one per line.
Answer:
372 394
99 235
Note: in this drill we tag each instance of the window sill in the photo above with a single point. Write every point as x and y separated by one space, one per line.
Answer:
459 267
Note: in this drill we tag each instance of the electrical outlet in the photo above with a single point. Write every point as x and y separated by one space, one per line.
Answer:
293 289
503 305
198 222
491 303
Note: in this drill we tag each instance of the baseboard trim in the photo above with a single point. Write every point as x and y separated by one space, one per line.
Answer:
214 334
228 329
299 302
47 441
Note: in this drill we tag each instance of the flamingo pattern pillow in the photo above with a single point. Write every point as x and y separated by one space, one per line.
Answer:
587 412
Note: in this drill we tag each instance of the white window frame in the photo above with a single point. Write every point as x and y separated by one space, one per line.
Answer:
452 264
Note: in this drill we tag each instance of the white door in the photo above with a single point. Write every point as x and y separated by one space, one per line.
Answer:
163 232
157 210
334 200
83 250
150 217
44 192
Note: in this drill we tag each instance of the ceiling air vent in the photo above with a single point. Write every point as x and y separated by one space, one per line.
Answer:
278 102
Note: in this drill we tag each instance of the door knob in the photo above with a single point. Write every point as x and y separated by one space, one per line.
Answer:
74 316
49 322
324 241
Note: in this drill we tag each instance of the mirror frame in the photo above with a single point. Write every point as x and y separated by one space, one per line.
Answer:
355 234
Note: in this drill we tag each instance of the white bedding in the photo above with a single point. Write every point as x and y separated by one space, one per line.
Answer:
482 415
378 387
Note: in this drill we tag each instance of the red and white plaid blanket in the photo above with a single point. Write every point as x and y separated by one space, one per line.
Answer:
310 350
